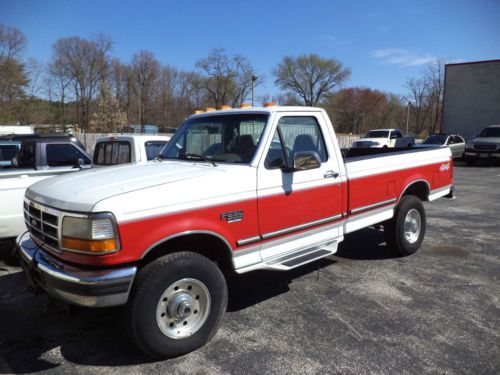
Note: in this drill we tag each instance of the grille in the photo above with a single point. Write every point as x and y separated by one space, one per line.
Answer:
485 147
43 223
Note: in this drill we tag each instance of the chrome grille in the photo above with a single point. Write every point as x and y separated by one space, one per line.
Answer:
43 223
485 147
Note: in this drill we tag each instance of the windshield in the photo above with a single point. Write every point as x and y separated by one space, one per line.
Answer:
490 132
435 140
225 138
377 134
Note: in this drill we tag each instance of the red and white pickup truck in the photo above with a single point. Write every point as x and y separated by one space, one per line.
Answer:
234 190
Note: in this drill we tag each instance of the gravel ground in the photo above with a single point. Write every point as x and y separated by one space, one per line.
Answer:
361 311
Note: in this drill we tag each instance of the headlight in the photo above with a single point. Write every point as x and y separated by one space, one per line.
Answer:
96 234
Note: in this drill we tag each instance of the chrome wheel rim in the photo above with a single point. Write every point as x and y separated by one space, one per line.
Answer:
413 225
183 308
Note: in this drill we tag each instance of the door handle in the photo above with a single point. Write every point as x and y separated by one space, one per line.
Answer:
330 174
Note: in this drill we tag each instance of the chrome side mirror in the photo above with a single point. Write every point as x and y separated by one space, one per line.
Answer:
305 160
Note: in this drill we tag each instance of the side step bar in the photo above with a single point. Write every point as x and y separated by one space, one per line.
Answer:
298 258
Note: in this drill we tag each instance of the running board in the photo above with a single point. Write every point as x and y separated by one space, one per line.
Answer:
299 258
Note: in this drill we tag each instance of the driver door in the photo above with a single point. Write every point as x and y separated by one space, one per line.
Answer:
295 204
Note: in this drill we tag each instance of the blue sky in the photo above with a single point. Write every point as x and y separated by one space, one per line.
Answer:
383 42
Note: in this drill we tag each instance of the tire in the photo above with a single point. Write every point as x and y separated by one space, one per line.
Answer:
406 230
176 304
471 162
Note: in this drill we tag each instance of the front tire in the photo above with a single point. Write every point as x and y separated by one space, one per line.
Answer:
406 230
176 304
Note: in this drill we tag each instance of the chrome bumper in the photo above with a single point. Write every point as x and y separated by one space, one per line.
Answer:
84 287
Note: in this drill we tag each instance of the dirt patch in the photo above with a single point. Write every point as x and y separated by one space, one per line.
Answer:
451 251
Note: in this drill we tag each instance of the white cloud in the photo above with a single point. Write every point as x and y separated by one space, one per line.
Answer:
402 57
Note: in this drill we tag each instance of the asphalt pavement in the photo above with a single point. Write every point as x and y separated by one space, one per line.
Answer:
362 311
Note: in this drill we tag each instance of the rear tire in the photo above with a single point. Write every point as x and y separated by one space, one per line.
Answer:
406 230
176 304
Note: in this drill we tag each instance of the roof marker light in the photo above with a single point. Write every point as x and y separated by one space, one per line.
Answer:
244 105
269 104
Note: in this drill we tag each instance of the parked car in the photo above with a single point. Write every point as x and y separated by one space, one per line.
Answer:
26 137
123 149
161 238
38 158
8 151
384 138
455 142
485 146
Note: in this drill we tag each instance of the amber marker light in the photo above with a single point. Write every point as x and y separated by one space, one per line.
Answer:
245 105
94 246
269 104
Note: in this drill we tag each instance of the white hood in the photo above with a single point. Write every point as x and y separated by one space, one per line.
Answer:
141 186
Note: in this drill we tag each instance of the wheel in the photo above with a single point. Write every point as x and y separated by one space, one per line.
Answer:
176 304
406 230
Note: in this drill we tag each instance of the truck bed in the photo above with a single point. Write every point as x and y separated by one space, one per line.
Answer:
378 177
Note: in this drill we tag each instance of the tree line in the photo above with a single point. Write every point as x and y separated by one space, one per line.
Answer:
84 84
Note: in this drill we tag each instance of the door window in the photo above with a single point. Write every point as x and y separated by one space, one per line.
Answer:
64 155
298 134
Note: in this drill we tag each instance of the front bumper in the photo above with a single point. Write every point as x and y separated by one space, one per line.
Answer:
483 155
78 286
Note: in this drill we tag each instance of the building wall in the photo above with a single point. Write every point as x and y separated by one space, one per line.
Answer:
471 97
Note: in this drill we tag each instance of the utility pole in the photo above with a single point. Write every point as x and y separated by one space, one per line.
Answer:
254 78
407 116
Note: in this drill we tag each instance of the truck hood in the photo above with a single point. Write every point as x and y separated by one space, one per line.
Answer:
81 191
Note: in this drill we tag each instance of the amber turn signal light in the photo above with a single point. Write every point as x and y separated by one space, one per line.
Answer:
92 246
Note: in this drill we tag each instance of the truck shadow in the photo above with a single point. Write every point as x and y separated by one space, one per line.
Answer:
365 244
40 334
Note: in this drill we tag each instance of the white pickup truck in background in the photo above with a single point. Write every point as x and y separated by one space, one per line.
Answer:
384 138
124 149
38 158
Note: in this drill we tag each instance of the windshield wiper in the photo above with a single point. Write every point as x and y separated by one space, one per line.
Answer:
199 157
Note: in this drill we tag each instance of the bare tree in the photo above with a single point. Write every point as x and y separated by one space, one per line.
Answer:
12 43
145 70
425 95
416 96
13 77
311 77
227 80
434 76
87 63
61 79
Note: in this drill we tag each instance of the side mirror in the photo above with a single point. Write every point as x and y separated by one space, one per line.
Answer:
79 164
305 160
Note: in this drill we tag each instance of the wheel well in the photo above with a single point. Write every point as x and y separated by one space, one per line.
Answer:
419 189
207 245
